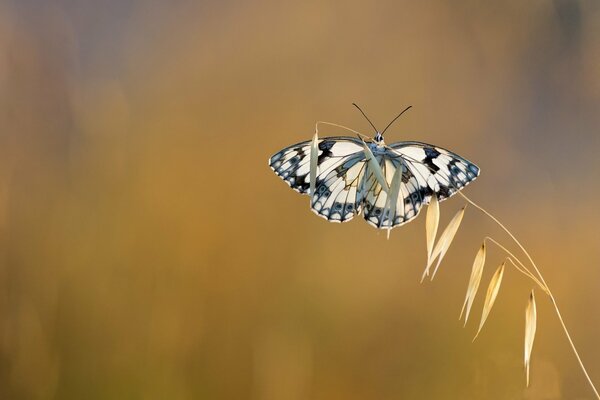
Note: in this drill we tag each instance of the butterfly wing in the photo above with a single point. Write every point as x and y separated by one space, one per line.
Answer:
340 170
425 169
412 194
444 172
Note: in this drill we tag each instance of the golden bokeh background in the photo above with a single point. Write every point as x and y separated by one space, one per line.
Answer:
148 252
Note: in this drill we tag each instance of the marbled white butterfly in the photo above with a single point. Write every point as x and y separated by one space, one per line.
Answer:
346 183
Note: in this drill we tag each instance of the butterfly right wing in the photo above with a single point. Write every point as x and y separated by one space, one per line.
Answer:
426 169
443 171
341 167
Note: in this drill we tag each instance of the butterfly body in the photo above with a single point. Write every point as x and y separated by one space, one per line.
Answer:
346 184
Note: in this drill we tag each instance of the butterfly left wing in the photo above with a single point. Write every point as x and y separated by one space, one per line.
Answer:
340 169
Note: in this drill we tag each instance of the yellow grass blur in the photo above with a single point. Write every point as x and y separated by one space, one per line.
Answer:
148 252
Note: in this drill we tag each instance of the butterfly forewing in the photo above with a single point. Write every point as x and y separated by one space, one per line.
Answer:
444 171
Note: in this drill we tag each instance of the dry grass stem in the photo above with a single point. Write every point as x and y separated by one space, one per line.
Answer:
431 224
519 266
314 153
490 296
376 168
338 126
530 326
474 281
392 199
543 284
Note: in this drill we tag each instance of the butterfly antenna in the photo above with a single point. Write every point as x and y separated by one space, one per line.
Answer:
398 116
365 115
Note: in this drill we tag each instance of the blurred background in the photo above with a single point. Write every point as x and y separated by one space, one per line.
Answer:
148 252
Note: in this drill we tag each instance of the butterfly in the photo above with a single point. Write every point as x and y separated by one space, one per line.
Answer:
348 183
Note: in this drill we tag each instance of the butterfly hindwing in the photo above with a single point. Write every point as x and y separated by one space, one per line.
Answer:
337 195
412 194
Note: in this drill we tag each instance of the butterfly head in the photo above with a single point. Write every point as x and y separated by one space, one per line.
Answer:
378 138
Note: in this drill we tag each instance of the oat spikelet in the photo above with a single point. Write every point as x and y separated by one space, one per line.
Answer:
314 156
376 168
474 281
530 325
392 199
431 224
490 296
443 244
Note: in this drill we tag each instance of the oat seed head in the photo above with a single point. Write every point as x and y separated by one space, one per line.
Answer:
431 225
474 281
376 168
314 153
490 296
444 242
530 327
392 199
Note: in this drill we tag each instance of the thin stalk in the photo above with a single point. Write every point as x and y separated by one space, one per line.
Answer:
560 318
338 126
518 268
521 267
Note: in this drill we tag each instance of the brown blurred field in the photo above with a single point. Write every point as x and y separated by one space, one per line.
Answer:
148 252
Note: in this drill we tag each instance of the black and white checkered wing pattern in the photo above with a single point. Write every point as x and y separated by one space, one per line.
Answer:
413 193
340 169
443 171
